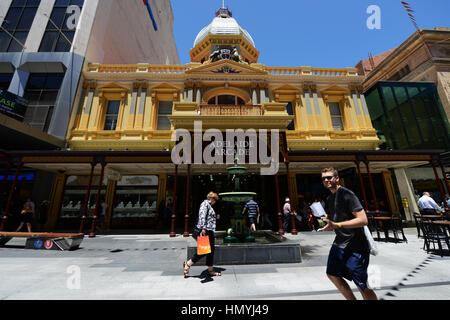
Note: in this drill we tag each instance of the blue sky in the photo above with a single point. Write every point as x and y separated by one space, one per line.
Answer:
320 33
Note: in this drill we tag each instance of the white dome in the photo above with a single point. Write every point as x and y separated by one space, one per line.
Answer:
223 25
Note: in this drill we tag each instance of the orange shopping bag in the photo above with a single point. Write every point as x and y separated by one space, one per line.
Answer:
203 246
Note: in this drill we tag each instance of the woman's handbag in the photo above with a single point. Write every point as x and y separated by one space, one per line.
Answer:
372 245
203 245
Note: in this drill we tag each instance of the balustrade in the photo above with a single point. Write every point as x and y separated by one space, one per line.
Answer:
230 110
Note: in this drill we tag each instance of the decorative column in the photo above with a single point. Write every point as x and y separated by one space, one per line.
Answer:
280 215
97 201
263 96
186 216
198 96
190 95
109 198
406 192
372 188
86 197
441 190
254 97
446 182
363 189
172 226
11 192
294 230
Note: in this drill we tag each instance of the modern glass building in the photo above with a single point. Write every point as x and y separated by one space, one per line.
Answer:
409 115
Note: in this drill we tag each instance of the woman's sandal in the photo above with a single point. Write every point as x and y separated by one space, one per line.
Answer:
186 269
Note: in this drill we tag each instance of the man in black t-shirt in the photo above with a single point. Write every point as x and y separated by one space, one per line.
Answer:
349 254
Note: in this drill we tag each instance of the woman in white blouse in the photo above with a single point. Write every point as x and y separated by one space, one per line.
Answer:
206 225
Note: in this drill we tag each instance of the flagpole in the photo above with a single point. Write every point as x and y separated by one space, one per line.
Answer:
409 10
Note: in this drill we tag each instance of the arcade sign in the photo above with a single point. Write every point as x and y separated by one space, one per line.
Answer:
12 105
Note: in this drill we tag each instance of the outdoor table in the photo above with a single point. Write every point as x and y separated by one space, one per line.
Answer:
385 227
432 217
443 223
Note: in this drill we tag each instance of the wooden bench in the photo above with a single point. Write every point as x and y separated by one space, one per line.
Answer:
43 240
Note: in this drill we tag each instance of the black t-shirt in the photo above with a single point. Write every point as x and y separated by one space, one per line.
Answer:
340 207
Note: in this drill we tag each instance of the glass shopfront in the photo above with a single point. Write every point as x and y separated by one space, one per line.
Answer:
135 202
410 115
75 193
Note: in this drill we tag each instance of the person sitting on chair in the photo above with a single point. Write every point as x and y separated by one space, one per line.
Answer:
427 205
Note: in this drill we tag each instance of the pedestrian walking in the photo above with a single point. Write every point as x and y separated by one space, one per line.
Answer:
253 213
287 212
27 215
350 252
206 226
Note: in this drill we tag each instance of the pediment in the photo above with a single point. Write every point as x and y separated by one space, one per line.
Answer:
113 86
165 87
226 67
286 88
335 90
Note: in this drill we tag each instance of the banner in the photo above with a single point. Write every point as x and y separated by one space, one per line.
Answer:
12 105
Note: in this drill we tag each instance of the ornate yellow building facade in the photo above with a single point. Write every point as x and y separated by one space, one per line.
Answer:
137 108
224 87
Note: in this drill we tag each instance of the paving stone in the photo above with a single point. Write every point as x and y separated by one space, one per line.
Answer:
145 267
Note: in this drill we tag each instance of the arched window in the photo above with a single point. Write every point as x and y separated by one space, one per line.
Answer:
228 100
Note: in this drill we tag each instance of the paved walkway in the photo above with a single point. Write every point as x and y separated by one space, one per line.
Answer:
150 267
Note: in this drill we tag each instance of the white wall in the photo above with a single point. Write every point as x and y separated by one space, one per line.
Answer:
84 27
123 33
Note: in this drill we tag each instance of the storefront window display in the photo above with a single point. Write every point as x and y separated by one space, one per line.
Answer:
136 197
75 193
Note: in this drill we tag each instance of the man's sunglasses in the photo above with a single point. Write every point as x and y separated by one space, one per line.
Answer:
327 178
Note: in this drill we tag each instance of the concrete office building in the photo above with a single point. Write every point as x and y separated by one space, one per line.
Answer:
46 69
43 47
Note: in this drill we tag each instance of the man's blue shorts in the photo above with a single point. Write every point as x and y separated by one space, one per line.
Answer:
252 220
349 265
